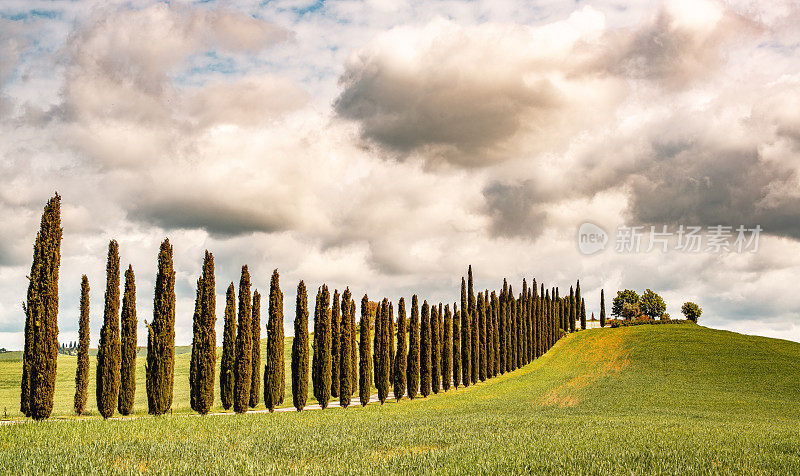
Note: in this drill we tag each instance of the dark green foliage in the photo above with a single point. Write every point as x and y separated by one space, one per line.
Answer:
255 360
300 349
495 335
336 320
127 383
412 363
204 340
578 305
383 349
161 336
690 310
474 331
321 365
82 371
466 338
401 357
652 304
583 314
243 367
425 352
376 343
436 351
345 331
447 349
353 349
626 296
40 355
571 305
108 352
390 343
364 357
456 346
274 367
602 309
481 311
502 330
226 371
511 309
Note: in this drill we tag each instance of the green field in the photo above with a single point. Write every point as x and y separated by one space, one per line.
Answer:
643 400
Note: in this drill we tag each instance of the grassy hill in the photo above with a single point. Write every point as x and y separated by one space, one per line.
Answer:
646 399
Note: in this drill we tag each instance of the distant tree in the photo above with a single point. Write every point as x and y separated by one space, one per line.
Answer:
652 304
466 337
475 331
382 381
244 346
255 360
376 344
447 349
300 349
456 346
425 351
127 389
40 355
336 320
353 349
401 358
365 359
583 314
322 348
226 372
344 351
436 351
691 311
108 352
82 371
631 311
413 361
626 296
204 340
274 368
495 334
602 309
481 310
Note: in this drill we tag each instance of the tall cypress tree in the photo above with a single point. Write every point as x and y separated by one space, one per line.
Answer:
572 313
602 309
401 358
489 338
322 349
300 349
390 343
447 349
255 360
466 338
364 357
161 336
204 340
425 352
578 301
501 329
474 334
226 379
40 355
511 309
376 344
456 346
412 363
127 389
353 349
495 335
481 337
583 314
273 368
82 370
244 346
336 320
344 351
382 382
108 352
436 351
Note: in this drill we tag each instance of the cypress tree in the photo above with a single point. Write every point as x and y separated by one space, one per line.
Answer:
300 349
412 363
521 330
127 389
572 313
602 309
447 349
255 360
376 344
204 340
481 311
365 359
474 334
495 334
401 358
436 351
344 352
322 348
353 349
489 338
226 378
336 320
578 301
108 352
512 330
501 329
273 368
425 352
82 371
382 382
456 346
40 355
583 314
161 336
466 338
244 346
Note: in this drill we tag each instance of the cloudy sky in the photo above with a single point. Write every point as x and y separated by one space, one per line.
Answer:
386 145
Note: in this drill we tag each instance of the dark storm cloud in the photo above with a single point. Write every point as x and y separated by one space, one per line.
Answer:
513 212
